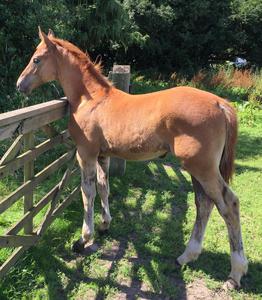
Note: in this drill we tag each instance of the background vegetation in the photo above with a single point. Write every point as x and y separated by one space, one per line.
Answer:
162 36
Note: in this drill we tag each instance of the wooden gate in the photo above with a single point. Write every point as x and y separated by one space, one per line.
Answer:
21 126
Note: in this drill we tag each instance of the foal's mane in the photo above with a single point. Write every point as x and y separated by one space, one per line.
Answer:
84 61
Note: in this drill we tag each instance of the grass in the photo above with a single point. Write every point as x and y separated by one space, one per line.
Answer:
153 214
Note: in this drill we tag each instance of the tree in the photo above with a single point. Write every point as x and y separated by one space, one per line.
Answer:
162 35
246 19
183 35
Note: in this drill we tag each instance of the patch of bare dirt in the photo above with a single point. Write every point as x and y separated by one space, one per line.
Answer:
197 290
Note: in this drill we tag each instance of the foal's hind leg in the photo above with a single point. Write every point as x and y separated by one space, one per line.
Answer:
103 190
204 207
228 207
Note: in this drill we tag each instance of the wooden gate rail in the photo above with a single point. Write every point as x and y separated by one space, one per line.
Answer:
32 120
31 154
13 150
20 125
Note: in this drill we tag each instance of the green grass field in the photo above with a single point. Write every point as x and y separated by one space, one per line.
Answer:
153 213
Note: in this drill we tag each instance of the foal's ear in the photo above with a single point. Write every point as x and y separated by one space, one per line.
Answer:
51 33
44 38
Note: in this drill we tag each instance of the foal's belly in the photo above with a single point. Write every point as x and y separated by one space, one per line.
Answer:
138 156
136 151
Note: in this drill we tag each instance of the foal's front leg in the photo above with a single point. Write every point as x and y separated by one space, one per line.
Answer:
88 188
103 190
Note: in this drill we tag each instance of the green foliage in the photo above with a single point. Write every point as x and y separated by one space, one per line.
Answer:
18 38
163 36
182 34
248 113
99 26
246 20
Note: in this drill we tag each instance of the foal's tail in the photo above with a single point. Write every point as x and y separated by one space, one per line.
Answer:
227 160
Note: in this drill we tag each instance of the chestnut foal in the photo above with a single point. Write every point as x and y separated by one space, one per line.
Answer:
196 126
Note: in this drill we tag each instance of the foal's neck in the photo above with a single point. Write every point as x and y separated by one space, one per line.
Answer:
80 83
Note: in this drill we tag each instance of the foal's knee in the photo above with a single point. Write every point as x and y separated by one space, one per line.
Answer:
88 187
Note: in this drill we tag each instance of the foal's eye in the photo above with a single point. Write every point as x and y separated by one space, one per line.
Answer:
36 60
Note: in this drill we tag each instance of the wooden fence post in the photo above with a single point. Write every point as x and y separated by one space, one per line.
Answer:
28 174
120 76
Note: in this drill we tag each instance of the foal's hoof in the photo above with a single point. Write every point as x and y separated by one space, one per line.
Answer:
102 232
230 285
177 264
103 228
78 247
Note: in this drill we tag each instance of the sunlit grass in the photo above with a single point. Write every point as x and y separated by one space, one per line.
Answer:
153 213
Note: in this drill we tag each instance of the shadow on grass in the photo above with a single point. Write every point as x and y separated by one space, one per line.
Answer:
239 169
157 241
248 146
157 256
155 251
154 256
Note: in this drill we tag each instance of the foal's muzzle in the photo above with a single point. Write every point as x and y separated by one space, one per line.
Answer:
22 86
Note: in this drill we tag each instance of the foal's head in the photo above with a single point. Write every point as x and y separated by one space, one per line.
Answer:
42 66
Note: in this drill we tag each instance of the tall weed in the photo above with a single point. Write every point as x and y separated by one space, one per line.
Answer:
242 78
255 96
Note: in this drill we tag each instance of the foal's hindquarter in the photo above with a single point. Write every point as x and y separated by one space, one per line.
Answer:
191 124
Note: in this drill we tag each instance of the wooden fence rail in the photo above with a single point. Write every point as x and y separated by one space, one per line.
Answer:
23 127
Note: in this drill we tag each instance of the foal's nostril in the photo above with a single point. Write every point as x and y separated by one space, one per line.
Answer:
18 84
21 86
20 89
